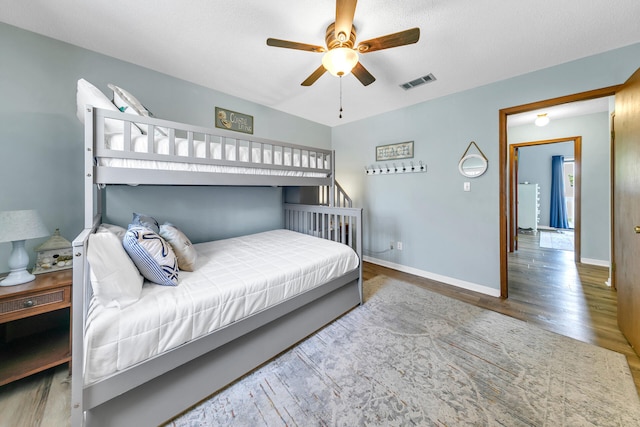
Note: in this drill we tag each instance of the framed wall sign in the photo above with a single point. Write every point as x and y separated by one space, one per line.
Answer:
232 120
401 150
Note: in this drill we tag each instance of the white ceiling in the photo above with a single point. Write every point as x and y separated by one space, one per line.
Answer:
221 44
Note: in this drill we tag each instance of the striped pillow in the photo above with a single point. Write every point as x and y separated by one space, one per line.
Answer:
153 256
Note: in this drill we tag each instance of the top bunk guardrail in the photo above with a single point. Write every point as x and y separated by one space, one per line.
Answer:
129 149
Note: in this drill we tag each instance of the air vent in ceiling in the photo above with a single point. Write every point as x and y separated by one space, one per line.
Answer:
419 81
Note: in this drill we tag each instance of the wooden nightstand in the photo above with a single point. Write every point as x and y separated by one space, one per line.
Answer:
21 307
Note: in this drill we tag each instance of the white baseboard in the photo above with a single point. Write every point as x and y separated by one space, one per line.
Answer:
600 262
437 277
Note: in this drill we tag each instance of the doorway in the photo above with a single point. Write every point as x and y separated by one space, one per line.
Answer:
573 187
503 159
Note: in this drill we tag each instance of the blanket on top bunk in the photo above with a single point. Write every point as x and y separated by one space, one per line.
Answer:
232 279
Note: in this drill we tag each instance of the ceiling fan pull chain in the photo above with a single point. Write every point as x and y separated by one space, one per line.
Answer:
340 97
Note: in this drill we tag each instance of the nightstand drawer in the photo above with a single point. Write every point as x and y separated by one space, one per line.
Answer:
22 305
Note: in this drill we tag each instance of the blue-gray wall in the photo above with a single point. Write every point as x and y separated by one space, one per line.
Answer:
41 141
449 234
596 173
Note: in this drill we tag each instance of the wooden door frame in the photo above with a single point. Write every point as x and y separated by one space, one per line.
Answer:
612 166
502 163
513 194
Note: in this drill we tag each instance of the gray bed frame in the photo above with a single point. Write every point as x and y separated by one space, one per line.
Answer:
158 389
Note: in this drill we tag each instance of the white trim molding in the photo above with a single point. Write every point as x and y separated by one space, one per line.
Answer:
437 277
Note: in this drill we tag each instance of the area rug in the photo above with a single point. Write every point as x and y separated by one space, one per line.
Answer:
411 357
557 239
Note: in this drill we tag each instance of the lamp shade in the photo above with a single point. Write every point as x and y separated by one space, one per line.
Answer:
16 227
340 61
21 225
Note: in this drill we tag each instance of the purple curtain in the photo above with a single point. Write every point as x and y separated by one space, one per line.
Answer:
558 211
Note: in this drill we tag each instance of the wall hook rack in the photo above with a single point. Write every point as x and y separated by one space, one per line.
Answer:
394 168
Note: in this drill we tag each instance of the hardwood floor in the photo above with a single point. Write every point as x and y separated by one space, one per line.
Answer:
546 288
41 400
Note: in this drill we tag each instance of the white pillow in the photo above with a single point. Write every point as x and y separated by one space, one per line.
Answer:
115 279
181 245
115 229
89 94
129 104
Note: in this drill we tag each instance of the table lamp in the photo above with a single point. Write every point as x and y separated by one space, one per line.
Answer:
16 227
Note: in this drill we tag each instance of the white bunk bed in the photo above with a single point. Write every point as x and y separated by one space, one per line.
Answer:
154 390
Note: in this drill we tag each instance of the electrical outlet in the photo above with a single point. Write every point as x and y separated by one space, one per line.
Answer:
399 246
467 186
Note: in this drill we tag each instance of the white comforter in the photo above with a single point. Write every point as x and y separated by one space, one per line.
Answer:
232 279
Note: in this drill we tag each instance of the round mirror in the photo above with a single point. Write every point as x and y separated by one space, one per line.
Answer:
472 165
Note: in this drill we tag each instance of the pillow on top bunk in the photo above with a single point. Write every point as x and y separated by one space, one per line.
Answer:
129 104
115 280
89 94
153 256
181 245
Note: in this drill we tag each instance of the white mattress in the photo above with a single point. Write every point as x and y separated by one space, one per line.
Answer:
233 278
268 156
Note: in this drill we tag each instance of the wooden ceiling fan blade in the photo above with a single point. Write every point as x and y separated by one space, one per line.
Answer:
363 75
391 40
314 76
345 11
294 45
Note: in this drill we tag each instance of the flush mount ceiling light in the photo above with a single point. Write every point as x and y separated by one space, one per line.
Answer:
542 120
340 61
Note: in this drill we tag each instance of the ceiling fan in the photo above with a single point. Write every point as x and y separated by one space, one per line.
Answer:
341 57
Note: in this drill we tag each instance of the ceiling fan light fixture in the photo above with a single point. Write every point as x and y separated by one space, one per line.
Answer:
542 120
340 61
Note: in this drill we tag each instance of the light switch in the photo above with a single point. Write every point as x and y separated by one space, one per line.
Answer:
467 186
